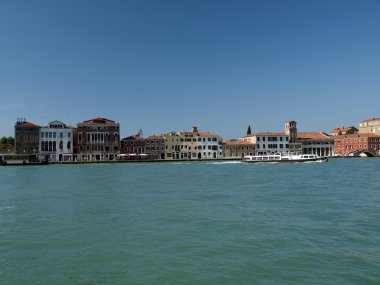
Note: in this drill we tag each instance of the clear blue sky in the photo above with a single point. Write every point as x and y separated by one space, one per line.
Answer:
167 65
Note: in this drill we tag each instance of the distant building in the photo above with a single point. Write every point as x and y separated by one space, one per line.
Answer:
98 140
291 130
132 145
155 147
26 137
172 145
237 149
192 145
355 144
370 126
56 142
317 143
268 143
343 131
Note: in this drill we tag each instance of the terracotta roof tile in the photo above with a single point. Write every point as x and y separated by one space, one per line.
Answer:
26 124
313 136
264 134
358 135
98 121
370 120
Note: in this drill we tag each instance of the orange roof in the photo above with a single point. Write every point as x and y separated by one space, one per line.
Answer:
135 137
358 135
343 130
238 143
99 121
264 134
155 137
26 124
207 134
370 120
313 136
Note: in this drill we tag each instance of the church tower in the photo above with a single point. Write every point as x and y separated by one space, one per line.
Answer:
291 131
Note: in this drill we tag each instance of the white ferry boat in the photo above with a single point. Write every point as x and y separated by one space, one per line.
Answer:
291 158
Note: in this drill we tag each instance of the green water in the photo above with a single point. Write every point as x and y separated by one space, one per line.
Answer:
191 223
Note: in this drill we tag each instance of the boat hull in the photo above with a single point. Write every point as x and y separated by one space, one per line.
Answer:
319 159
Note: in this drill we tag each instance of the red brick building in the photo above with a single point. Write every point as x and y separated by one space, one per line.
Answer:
356 143
98 139
133 145
155 147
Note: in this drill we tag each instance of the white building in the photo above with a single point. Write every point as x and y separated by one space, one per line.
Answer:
56 142
268 143
209 146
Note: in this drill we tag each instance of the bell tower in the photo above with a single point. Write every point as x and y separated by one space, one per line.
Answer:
291 131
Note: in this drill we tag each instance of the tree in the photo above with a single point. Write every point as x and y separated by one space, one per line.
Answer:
3 140
249 130
340 133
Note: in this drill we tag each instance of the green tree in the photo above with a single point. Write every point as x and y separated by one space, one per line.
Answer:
10 140
349 132
249 130
3 140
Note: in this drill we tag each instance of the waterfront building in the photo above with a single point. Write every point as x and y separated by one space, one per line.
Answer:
155 147
132 145
26 137
192 145
268 142
237 149
354 144
98 140
317 143
172 145
370 126
343 131
56 142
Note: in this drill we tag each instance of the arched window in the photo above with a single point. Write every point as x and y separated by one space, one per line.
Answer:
54 146
42 146
50 146
68 145
46 148
80 137
92 137
61 145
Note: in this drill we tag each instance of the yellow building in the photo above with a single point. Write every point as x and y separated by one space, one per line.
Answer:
237 149
370 126
192 145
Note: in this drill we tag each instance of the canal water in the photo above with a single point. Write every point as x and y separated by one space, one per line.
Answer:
191 223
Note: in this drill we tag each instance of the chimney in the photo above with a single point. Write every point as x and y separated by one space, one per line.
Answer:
194 129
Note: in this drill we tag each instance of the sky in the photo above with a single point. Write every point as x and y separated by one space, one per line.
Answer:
161 66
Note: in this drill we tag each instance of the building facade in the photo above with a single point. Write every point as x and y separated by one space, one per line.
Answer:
192 145
98 140
56 142
268 143
155 147
370 126
132 145
27 137
317 143
353 144
237 149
